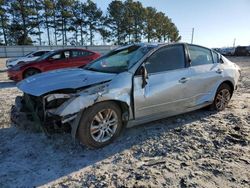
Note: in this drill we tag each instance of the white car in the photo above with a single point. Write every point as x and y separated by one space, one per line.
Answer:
32 56
129 86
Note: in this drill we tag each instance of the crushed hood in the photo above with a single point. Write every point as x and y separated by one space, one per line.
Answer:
43 83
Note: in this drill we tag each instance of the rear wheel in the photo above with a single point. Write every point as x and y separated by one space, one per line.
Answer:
222 97
30 72
100 124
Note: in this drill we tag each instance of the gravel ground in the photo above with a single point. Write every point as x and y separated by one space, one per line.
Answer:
198 149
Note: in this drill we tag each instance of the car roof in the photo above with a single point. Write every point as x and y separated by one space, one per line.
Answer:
64 49
41 51
158 44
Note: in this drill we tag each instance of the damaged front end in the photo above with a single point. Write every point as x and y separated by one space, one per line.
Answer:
57 105
55 112
35 111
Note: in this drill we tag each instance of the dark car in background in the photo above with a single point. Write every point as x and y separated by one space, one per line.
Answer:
242 51
63 58
230 51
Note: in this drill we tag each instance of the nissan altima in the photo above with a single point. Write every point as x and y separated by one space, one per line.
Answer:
131 85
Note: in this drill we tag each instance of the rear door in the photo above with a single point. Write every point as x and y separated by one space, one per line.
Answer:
206 72
80 57
57 61
168 79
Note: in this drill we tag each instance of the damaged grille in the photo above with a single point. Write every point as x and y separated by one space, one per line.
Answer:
37 104
47 123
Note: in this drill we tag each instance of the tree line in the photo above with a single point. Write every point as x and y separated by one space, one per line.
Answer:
73 22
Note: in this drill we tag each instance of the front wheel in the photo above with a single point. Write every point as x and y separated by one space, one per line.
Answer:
100 124
222 97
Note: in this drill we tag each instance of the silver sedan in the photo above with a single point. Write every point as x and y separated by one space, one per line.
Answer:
130 85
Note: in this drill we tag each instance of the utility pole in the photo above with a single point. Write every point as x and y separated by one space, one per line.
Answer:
234 42
192 39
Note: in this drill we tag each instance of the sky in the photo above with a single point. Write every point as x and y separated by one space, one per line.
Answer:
216 23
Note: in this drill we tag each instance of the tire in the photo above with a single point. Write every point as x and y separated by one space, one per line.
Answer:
222 97
104 119
30 72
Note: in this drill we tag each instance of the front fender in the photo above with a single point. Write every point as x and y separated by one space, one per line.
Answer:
118 90
76 104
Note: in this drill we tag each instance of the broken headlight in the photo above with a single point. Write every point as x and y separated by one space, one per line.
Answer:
55 103
55 100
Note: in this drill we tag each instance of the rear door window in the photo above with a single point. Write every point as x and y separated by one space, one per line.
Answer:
166 59
56 56
200 55
60 55
80 53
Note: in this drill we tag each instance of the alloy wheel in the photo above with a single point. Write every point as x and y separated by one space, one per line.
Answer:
222 99
104 125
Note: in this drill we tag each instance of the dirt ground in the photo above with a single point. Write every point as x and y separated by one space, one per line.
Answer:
198 149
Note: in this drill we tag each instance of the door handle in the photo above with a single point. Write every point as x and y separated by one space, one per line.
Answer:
219 71
183 80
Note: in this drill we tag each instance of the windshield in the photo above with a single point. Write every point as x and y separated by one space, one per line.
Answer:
119 60
29 54
45 56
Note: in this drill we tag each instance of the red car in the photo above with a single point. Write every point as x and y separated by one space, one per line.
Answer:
57 59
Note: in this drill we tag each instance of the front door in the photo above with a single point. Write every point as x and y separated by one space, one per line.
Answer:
57 61
168 79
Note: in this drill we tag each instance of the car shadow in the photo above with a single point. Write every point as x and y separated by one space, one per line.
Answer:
7 84
37 160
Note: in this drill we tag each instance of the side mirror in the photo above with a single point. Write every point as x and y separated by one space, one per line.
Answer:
144 74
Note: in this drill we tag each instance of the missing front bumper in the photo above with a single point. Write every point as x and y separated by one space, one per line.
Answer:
25 114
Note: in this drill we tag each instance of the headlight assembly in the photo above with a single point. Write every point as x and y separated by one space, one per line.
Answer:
56 100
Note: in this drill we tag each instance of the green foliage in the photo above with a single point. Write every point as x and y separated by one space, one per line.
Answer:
78 23
4 25
116 22
93 18
23 23
134 20
131 22
47 16
74 22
